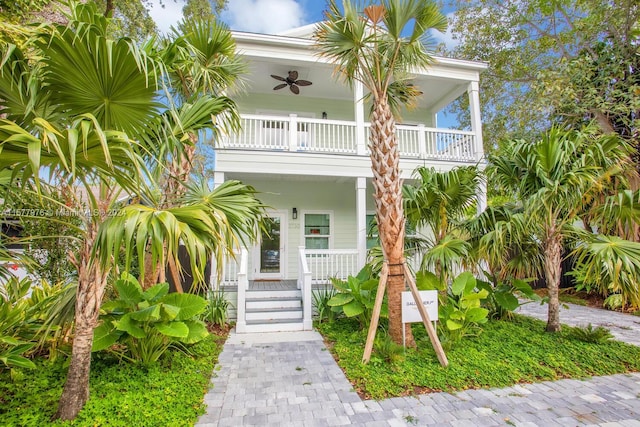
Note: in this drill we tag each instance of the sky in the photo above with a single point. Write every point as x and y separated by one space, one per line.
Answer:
259 16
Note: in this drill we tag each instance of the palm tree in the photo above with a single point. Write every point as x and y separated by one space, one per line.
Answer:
555 179
440 201
84 107
370 48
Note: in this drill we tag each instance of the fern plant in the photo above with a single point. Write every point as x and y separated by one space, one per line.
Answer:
590 334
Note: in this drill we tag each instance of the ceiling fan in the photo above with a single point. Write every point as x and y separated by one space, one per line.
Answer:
292 81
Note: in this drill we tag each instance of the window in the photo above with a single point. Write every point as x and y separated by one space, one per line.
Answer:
317 230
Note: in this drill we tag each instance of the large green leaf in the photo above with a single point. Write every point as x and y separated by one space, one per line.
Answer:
130 326
129 291
149 314
17 361
453 325
477 315
352 309
340 299
104 336
427 281
197 332
507 300
190 305
464 283
369 284
173 329
156 292
169 312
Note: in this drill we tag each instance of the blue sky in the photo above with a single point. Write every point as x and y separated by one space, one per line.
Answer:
258 16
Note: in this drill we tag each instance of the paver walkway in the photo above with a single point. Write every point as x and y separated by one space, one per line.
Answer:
291 379
624 327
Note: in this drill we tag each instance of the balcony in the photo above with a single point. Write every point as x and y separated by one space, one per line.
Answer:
305 135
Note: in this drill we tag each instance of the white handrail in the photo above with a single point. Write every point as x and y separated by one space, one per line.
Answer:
326 263
243 285
304 283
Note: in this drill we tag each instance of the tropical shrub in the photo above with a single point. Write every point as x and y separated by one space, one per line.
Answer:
461 313
609 266
148 322
31 319
217 308
321 298
590 334
386 350
502 298
356 296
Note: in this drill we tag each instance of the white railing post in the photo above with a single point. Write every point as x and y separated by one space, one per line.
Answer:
293 132
304 281
243 285
422 141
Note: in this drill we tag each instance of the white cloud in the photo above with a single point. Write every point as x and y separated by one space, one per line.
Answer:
264 16
166 16
446 37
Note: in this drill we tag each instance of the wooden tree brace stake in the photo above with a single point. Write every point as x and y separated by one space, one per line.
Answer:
375 316
435 342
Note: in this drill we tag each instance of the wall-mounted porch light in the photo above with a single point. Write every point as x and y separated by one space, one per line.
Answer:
324 115
294 213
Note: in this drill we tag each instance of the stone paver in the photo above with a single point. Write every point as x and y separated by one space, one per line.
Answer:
291 379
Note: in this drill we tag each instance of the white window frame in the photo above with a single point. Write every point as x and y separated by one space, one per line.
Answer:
304 236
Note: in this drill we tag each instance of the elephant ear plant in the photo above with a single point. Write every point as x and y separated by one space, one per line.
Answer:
147 323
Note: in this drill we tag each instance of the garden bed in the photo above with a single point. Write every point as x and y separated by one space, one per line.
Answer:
506 353
122 394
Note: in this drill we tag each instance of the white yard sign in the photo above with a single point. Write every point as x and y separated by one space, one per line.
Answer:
410 313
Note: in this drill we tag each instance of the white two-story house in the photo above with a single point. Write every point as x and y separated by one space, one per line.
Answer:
304 147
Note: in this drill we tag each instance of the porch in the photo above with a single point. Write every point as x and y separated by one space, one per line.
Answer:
308 135
282 305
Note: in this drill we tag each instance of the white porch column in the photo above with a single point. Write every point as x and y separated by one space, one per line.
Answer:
476 127
358 102
476 120
361 220
218 179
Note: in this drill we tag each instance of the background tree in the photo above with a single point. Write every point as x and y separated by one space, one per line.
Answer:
95 131
371 48
567 61
555 178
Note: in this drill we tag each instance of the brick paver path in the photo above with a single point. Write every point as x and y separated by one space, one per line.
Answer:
291 379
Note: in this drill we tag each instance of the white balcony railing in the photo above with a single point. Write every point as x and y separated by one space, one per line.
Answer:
326 263
299 134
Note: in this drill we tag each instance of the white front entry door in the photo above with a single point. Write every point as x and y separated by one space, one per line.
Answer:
269 257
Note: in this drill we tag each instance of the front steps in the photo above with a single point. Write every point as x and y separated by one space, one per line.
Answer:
273 311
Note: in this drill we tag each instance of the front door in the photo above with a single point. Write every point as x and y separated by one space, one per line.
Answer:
269 255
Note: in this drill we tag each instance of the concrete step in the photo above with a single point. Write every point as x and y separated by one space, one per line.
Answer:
293 293
279 325
265 303
273 314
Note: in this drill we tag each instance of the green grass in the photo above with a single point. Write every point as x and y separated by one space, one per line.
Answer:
168 394
506 353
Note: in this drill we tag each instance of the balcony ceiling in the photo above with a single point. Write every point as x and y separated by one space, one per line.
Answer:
326 85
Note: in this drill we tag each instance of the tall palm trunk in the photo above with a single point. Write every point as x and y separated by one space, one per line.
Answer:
92 282
552 271
389 211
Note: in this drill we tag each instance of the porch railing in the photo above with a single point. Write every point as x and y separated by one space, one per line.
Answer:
243 285
300 134
326 263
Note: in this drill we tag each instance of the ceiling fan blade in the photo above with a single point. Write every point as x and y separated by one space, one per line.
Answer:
304 83
280 86
293 75
282 79
295 89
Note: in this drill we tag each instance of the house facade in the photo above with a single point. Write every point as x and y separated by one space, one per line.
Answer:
304 146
